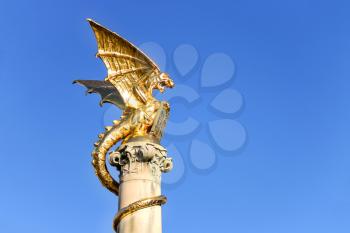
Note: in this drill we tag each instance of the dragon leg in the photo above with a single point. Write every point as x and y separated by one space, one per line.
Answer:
107 140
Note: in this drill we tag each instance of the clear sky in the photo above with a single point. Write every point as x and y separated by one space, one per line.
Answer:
270 154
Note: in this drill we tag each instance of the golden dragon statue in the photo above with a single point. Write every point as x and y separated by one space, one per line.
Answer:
132 77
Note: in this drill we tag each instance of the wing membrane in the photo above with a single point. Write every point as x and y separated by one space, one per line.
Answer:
119 55
107 91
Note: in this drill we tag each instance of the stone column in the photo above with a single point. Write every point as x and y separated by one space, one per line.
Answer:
140 165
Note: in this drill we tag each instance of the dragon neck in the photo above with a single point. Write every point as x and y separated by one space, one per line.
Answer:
150 84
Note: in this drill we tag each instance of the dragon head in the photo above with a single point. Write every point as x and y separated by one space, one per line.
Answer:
164 80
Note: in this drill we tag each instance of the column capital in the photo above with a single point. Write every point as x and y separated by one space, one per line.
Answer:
133 157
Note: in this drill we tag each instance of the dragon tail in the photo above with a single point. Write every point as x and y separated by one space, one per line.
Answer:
106 141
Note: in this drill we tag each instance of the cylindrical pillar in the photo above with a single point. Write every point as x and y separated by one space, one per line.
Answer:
140 165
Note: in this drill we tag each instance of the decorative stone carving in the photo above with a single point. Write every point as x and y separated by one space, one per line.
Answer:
133 157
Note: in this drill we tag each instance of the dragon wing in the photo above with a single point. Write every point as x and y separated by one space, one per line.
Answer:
108 92
128 67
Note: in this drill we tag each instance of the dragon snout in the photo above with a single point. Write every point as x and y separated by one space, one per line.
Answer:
170 83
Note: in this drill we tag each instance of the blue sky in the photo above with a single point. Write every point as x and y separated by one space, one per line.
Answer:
291 66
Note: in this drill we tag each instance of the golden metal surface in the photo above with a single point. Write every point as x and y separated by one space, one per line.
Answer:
136 206
131 78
